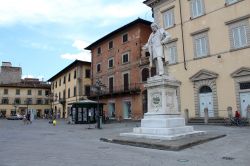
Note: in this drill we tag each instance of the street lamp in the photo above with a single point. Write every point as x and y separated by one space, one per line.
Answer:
97 88
51 100
27 103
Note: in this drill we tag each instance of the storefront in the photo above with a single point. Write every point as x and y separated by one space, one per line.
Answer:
86 112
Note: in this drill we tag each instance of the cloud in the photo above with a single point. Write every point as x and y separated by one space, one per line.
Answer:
83 55
68 11
80 56
80 44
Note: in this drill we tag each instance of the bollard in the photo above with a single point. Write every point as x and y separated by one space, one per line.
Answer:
186 116
206 115
229 112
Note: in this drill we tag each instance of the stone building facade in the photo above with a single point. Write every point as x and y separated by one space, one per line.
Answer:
117 63
209 52
16 98
10 74
69 85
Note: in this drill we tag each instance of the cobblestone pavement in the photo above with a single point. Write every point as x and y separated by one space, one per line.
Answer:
41 144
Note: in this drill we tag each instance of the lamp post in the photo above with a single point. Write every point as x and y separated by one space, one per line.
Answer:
27 103
97 88
51 100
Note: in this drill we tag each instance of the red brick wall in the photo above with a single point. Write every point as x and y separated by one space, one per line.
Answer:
137 37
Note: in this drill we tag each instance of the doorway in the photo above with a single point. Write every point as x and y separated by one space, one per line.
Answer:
126 109
206 101
244 102
111 110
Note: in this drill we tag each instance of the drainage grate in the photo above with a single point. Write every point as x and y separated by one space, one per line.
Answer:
227 158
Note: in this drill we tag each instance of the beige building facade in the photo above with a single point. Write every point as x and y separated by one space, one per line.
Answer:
31 94
209 52
69 85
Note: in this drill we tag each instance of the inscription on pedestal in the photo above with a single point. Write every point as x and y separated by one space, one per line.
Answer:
156 101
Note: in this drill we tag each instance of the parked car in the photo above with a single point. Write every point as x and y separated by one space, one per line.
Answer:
15 117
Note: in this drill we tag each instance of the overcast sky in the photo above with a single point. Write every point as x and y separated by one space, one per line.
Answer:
44 36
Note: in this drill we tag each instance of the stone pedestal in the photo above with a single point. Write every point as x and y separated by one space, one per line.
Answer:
163 119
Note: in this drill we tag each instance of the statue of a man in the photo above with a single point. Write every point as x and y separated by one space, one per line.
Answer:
156 40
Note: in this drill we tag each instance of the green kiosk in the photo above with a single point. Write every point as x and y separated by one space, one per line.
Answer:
86 112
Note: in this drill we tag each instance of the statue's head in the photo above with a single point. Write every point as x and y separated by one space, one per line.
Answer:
154 27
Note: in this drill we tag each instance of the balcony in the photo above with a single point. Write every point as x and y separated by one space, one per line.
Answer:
132 89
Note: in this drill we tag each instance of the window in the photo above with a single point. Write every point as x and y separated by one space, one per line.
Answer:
59 95
168 18
56 84
98 67
46 101
60 81
229 2
64 79
125 38
87 73
40 92
110 44
99 50
125 58
17 91
239 34
68 92
74 91
145 74
111 84
111 63
75 74
28 101
201 45
172 53
69 78
5 101
46 93
197 8
87 90
6 91
126 81
29 92
64 94
245 85
17 101
39 101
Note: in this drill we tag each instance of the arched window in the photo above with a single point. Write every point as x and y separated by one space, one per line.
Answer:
205 89
144 74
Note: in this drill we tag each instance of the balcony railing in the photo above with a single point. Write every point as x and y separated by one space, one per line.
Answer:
119 90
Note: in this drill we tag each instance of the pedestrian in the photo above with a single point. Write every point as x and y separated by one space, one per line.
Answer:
28 117
237 117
